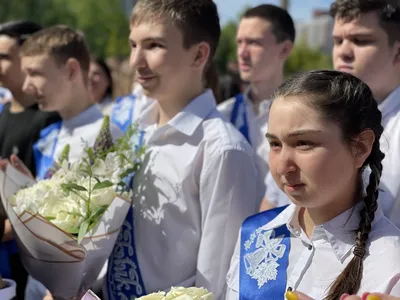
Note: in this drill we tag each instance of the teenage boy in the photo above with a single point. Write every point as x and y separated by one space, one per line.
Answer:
264 41
56 63
20 124
198 181
366 37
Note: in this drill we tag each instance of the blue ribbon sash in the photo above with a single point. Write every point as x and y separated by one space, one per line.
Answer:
264 257
122 112
124 280
44 149
239 116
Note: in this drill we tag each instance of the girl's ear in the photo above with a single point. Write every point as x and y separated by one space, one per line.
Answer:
362 146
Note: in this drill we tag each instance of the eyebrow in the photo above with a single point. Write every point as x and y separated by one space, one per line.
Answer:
151 39
4 55
294 133
355 34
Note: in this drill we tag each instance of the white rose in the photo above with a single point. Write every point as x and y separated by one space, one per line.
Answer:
181 293
153 296
103 197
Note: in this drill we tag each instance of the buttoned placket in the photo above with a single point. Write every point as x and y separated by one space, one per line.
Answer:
303 262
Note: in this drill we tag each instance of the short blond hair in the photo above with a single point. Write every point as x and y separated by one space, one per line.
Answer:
61 43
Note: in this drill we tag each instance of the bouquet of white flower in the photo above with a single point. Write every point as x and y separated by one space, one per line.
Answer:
180 293
66 226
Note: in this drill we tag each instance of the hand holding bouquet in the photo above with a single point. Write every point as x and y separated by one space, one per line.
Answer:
66 226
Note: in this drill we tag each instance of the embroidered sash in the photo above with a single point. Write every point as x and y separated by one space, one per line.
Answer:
44 148
124 280
239 116
122 112
264 256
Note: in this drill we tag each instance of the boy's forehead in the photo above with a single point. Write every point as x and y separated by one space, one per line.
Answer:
7 43
364 23
40 60
152 29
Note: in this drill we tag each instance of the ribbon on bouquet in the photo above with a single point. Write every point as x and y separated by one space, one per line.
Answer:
122 112
124 280
239 116
44 149
264 257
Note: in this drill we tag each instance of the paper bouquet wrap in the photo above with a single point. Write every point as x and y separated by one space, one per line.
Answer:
66 226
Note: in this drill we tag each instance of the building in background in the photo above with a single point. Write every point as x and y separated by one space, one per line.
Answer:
317 33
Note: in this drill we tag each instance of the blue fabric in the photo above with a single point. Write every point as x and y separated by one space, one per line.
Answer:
264 257
6 250
124 280
239 116
44 148
122 112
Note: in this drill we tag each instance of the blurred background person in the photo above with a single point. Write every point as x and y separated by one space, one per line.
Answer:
101 84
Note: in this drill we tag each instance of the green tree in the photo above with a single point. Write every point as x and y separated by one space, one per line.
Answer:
104 22
226 50
304 58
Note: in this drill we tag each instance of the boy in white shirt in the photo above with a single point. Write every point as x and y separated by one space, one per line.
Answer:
56 63
198 181
366 39
264 41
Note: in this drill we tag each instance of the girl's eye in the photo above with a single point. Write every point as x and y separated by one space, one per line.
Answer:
305 145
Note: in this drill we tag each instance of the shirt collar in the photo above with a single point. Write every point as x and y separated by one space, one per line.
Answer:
263 106
187 120
390 104
90 115
339 232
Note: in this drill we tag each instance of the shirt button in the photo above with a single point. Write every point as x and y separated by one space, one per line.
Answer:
310 247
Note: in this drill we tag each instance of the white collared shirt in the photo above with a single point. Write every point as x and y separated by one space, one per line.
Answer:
389 194
257 124
197 184
81 131
315 263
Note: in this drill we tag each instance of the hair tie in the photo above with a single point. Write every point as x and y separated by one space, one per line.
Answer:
359 252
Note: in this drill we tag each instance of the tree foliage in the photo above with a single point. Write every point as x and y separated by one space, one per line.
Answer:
104 22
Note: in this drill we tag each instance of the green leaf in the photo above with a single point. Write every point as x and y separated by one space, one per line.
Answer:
83 230
50 218
102 185
73 186
73 230
96 216
129 171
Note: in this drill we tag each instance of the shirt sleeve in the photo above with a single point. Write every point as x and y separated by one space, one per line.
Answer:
229 192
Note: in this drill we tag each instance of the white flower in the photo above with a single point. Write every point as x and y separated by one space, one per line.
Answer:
181 293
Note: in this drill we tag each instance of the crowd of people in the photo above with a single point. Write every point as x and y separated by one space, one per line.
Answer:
288 189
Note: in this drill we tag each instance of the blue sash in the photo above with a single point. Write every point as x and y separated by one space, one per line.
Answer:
264 257
6 249
1 108
122 112
124 280
44 148
239 116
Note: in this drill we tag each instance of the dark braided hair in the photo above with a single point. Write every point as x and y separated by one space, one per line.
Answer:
347 101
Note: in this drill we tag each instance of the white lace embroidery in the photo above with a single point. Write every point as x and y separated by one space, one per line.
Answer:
46 144
122 110
262 263
124 271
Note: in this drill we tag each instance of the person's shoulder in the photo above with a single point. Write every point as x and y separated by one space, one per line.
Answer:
220 132
385 236
226 107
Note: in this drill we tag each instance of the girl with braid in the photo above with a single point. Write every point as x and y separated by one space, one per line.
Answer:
333 240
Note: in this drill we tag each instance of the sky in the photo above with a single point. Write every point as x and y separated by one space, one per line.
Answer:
301 10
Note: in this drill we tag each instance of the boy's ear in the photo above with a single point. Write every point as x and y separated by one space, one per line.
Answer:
73 68
286 49
201 54
397 53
